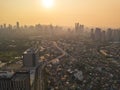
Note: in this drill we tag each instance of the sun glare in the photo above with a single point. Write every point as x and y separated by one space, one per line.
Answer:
47 3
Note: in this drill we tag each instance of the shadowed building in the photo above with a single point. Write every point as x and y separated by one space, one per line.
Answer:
79 28
16 81
98 34
30 57
17 25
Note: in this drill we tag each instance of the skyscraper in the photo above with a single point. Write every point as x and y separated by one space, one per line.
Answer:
4 26
98 34
1 27
79 28
109 34
10 27
16 81
92 36
30 57
76 27
103 36
116 36
17 25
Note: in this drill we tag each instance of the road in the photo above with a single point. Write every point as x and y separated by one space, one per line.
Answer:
61 50
41 69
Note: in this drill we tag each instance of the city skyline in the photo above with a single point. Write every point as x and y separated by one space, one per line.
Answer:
60 45
104 13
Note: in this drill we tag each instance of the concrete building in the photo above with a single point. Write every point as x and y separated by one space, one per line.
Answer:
103 36
109 34
17 25
98 34
1 27
9 27
79 28
116 36
76 27
4 26
30 57
15 81
92 36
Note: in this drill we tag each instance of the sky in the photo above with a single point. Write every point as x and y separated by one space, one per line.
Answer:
101 13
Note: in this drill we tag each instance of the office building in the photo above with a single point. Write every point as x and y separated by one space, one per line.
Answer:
76 27
1 27
92 34
109 34
79 28
98 34
116 35
103 36
17 25
10 27
30 57
4 26
15 81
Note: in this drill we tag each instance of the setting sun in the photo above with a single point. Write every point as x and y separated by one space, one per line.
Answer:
47 3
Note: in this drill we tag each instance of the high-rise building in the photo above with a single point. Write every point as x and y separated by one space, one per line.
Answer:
98 34
103 36
30 57
1 27
116 36
119 34
16 81
92 34
4 26
109 34
38 27
10 27
17 25
76 27
79 28
112 35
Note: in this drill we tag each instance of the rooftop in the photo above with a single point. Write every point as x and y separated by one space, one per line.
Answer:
6 74
30 51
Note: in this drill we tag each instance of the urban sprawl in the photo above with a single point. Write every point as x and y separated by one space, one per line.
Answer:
47 57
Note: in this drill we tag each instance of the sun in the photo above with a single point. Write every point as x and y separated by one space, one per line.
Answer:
47 3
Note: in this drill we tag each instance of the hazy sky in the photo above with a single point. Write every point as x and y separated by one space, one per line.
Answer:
105 13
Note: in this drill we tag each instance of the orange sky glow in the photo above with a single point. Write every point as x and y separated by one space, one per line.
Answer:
102 13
